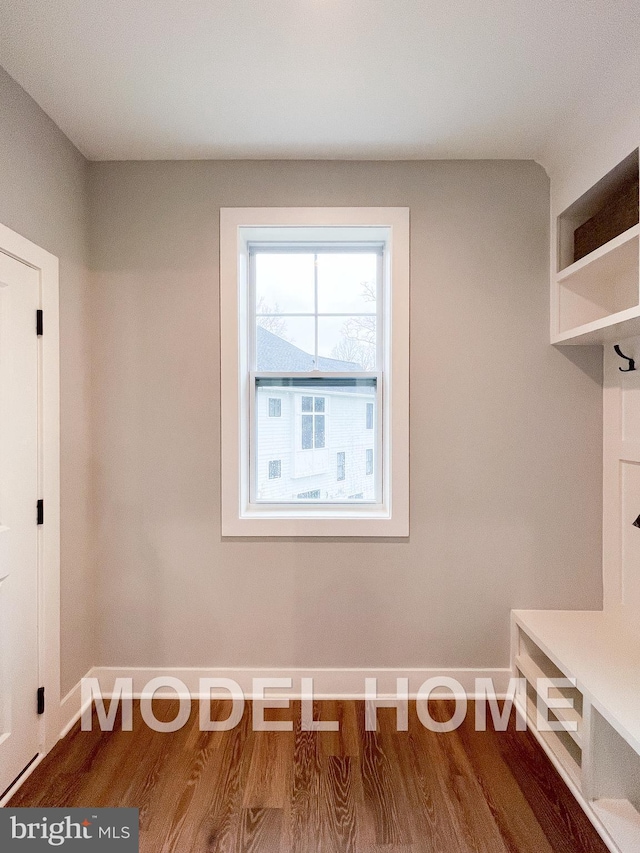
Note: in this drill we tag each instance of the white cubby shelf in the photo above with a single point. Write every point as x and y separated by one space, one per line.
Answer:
596 299
600 761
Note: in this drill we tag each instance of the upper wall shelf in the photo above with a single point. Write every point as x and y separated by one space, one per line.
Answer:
595 295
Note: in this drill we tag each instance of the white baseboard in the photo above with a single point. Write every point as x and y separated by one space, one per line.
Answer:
71 707
21 780
328 683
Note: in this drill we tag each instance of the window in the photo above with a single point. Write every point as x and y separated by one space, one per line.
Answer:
369 418
275 407
314 308
312 427
275 469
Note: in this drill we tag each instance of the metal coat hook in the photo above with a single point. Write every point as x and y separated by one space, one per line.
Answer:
632 364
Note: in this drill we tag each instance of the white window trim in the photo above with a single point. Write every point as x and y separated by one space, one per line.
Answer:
239 517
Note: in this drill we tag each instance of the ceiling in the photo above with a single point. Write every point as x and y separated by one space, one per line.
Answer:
382 79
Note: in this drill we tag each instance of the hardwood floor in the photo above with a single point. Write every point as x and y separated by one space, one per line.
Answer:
350 791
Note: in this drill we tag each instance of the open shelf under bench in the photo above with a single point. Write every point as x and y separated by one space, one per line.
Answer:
600 760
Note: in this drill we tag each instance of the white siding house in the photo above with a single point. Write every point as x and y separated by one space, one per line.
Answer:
312 443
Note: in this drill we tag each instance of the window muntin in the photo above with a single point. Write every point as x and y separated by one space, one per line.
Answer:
324 301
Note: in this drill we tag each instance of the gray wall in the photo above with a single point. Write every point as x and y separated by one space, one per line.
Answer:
505 430
43 197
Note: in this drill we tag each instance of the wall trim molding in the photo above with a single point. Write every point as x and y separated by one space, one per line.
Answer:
71 708
21 779
338 683
329 683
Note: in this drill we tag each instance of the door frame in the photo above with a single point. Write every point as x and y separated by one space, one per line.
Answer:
47 266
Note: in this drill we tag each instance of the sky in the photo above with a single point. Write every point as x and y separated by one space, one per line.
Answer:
287 281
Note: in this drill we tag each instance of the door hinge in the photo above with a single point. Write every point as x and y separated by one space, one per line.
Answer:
39 322
40 512
40 700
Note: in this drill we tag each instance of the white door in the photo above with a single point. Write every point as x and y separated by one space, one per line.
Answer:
19 722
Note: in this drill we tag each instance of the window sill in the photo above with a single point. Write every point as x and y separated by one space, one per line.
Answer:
372 521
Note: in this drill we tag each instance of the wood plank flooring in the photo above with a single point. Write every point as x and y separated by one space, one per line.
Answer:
350 791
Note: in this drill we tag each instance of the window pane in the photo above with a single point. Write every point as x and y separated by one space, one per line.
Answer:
320 441
307 432
285 343
284 283
347 283
275 407
275 468
369 416
347 344
369 461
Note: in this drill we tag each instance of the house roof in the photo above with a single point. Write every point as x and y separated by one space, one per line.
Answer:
274 354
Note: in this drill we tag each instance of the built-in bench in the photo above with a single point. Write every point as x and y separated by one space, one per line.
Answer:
598 753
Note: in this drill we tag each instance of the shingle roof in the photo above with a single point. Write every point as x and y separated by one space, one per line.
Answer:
274 353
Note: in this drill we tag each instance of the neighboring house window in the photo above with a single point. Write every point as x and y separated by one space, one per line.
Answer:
275 469
369 461
313 427
369 415
275 407
314 307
